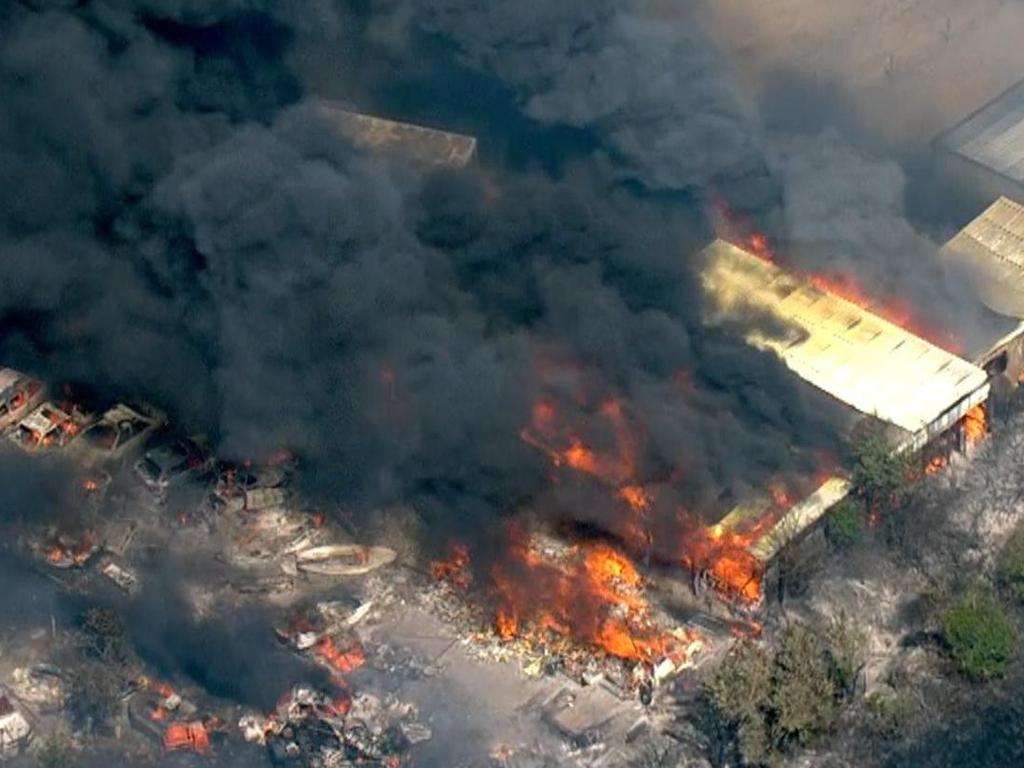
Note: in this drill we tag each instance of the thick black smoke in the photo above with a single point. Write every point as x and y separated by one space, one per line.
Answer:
656 90
232 657
193 234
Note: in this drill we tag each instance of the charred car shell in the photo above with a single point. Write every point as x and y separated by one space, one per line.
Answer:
19 395
173 464
118 435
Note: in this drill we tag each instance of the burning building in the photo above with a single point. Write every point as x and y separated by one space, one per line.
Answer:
896 384
987 148
423 145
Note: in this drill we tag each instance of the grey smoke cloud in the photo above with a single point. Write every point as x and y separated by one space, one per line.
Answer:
844 214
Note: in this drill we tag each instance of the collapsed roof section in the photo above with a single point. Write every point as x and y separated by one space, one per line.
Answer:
420 144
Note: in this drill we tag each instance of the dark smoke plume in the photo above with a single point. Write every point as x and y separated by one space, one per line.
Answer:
232 657
229 257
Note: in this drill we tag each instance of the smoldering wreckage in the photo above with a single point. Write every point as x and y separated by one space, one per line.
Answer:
606 629
266 623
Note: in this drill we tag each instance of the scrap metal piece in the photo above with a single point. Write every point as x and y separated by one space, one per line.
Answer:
344 559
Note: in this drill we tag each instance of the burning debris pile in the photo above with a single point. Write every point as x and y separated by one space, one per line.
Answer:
311 729
171 720
325 635
572 607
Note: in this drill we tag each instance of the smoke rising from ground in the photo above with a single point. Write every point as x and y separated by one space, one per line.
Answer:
180 224
229 257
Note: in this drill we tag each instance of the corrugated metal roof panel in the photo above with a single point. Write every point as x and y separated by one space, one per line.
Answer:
857 357
422 144
990 253
994 136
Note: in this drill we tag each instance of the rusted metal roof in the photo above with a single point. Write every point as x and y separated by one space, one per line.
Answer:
420 143
853 355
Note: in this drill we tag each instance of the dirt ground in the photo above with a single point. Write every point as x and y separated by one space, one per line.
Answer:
905 69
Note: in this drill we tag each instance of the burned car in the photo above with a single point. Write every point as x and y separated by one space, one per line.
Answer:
119 435
19 394
173 465
48 426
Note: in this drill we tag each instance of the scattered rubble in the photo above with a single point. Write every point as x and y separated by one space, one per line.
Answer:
312 728
43 686
15 731
125 579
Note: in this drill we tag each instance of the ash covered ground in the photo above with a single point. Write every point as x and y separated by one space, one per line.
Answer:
363 342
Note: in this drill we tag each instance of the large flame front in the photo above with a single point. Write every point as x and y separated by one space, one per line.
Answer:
594 593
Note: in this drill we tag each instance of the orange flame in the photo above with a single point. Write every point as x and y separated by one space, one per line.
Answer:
594 595
190 736
734 228
455 568
340 661
975 425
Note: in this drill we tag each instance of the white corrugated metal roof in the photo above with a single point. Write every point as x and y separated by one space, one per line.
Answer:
857 357
425 145
994 136
990 253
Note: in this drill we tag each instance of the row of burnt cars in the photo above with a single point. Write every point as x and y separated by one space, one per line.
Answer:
98 443
131 446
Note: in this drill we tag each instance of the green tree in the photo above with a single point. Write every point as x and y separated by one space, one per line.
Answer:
773 701
805 693
1010 565
880 475
844 524
980 635
741 690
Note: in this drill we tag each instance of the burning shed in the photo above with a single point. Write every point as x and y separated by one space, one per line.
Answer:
909 389
428 146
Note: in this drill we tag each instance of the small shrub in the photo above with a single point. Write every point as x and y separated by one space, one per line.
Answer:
844 525
56 752
95 697
846 652
104 629
805 692
1010 566
980 635
888 715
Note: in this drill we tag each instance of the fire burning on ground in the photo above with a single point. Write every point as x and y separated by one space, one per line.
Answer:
589 593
